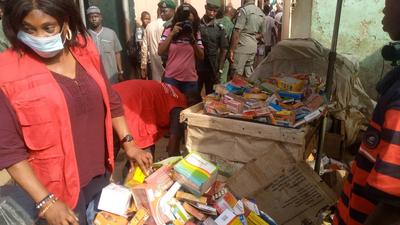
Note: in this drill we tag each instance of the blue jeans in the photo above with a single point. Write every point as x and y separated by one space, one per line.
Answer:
23 202
183 86
86 208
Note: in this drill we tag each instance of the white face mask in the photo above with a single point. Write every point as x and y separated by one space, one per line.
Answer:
46 47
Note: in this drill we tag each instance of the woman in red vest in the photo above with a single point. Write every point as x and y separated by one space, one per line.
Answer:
58 113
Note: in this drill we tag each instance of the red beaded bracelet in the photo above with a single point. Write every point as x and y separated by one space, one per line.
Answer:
48 206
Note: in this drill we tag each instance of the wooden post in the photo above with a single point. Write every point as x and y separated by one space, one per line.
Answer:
260 4
83 11
127 21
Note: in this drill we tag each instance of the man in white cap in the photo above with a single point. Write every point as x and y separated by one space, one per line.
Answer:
107 43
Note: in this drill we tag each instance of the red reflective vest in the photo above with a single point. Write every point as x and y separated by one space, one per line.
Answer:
43 115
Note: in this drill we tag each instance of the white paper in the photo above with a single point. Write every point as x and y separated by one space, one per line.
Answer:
115 199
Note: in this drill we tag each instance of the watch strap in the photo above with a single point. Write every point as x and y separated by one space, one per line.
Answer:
127 138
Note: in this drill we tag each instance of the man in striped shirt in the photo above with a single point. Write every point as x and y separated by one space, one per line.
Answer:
371 194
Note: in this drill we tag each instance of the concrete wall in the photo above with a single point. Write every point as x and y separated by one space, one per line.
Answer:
360 34
300 16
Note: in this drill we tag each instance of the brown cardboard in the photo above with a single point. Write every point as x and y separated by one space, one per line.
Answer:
242 141
335 180
289 191
105 218
333 145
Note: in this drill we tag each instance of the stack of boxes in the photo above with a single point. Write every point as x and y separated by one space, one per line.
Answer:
181 194
288 101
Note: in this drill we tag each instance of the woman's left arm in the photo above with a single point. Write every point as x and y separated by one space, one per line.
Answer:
198 46
143 158
198 52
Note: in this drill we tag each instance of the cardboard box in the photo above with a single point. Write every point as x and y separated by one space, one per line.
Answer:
164 210
225 218
196 174
254 219
134 177
140 218
333 145
228 201
211 211
289 191
105 218
335 180
161 177
183 196
194 212
179 211
209 221
149 197
240 141
250 206
115 199
290 84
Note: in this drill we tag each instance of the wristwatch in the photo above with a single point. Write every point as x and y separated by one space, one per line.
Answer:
127 138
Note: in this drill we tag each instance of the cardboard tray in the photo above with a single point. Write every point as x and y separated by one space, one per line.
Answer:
242 141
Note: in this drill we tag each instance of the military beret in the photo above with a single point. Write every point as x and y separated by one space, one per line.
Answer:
215 3
167 4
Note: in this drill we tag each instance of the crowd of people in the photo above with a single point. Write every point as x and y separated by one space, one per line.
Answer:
233 41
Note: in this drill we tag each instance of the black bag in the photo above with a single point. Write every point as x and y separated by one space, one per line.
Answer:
11 213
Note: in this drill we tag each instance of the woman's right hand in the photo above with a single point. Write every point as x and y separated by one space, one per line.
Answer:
177 28
142 158
60 214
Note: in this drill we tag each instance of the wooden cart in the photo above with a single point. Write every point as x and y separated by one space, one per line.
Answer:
243 141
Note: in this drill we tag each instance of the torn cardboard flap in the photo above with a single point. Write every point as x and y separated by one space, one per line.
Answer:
290 192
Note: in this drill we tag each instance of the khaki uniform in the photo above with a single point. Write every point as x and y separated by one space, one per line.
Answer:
168 23
228 26
250 21
4 44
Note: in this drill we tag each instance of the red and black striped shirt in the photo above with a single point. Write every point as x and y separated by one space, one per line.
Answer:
375 172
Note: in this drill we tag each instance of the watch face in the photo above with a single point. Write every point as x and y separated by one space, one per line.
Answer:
127 138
